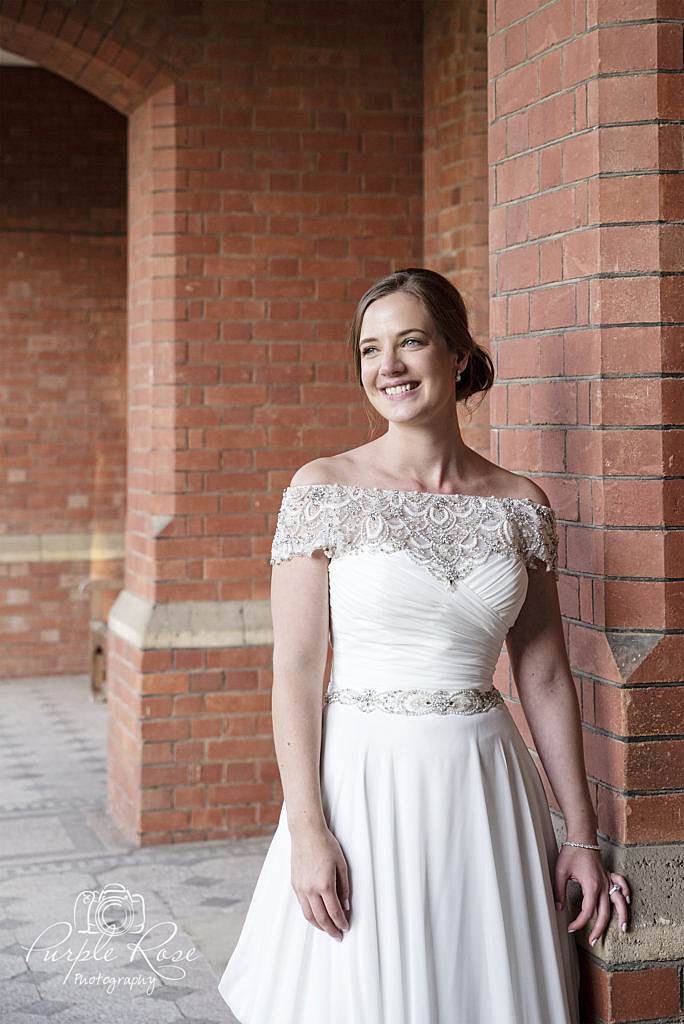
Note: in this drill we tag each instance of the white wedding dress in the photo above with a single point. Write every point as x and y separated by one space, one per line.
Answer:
426 781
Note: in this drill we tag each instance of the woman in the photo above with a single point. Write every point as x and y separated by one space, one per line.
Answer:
415 830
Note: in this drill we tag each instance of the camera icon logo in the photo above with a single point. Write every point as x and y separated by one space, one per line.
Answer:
112 910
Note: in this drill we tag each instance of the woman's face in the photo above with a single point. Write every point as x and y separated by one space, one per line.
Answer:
399 343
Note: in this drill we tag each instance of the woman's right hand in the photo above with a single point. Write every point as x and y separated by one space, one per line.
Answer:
320 879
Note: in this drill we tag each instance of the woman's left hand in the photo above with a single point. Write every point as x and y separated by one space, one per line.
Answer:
586 867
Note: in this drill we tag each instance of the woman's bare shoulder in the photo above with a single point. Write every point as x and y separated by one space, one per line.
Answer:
318 471
349 467
522 487
505 483
535 492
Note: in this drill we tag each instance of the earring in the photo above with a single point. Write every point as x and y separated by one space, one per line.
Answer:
458 376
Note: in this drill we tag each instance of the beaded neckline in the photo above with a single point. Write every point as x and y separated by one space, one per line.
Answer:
450 537
505 499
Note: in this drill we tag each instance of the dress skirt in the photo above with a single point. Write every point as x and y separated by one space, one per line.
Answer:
446 830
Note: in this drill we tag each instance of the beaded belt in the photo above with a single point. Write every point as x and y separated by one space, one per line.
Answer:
418 701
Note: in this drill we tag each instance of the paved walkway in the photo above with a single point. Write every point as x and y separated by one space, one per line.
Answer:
57 845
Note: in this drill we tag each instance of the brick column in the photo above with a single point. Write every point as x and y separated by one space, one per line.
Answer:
455 170
586 103
263 201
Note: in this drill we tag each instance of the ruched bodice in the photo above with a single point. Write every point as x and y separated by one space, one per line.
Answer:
423 587
394 626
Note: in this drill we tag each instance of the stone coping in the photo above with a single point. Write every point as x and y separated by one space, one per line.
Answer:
87 546
150 626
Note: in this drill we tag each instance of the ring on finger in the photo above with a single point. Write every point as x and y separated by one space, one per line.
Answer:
614 888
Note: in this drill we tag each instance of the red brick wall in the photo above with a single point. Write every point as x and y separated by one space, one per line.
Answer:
586 105
456 171
62 374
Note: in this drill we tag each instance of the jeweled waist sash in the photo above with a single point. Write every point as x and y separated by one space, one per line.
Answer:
418 701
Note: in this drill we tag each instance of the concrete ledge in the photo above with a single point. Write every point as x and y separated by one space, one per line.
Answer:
190 623
61 547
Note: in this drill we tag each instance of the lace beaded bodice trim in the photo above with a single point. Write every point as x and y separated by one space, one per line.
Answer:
449 534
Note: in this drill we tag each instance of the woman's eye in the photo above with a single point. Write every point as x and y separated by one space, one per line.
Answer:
365 351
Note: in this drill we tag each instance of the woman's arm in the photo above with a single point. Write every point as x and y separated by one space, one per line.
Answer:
539 660
300 613
536 647
299 609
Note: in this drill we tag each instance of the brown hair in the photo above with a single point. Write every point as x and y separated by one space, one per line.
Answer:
447 309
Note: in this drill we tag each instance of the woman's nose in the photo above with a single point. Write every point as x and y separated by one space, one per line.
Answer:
391 364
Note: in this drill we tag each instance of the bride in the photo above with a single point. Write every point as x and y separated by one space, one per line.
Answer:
415 830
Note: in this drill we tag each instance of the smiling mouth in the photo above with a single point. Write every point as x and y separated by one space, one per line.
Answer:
404 390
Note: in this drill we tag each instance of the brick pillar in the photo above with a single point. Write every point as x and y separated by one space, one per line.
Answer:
263 201
455 170
585 104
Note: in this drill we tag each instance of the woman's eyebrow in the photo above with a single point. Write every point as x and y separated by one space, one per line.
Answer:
411 330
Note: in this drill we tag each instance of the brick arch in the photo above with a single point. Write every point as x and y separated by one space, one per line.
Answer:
101 58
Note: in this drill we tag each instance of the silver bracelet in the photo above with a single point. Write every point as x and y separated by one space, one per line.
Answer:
585 846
